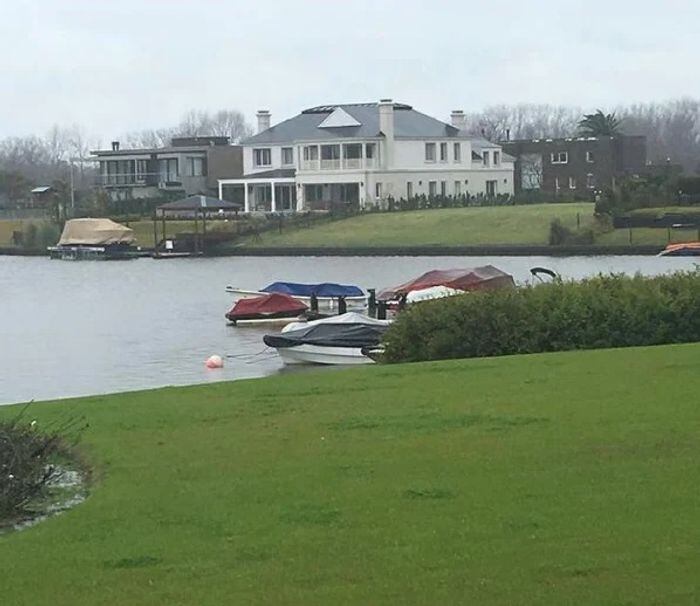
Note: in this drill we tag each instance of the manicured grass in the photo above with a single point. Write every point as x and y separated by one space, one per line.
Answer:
527 224
549 479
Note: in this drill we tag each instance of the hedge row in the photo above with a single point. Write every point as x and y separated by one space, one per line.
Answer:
606 311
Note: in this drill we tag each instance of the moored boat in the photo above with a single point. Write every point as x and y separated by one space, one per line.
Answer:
269 308
84 239
336 340
326 294
681 249
442 283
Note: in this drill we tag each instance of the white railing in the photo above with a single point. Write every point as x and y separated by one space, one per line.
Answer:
344 164
330 164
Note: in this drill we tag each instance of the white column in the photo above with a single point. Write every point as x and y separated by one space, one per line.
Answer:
246 205
300 197
221 191
272 199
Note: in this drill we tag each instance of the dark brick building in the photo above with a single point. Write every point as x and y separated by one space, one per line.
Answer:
575 166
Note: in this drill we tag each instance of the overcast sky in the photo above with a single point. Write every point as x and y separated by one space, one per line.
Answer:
122 65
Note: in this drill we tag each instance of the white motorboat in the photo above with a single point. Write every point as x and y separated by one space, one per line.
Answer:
336 340
327 295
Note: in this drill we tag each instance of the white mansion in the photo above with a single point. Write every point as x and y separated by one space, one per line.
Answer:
360 154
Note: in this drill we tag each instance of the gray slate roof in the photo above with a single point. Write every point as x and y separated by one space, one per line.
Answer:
408 123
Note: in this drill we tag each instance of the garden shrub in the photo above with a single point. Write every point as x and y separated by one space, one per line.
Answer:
600 312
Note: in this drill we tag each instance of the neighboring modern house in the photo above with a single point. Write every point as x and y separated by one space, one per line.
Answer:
360 154
190 165
575 166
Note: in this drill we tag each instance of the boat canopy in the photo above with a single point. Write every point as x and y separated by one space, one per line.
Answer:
433 292
326 289
274 304
95 232
475 278
345 331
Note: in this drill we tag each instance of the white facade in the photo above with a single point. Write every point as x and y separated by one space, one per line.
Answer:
367 170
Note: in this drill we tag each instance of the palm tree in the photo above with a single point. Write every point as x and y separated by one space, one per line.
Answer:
599 125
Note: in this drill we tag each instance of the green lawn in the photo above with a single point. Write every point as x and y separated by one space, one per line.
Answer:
527 224
646 235
564 478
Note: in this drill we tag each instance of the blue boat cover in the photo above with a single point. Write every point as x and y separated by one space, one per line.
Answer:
325 289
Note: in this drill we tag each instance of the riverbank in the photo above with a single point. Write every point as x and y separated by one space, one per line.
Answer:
528 479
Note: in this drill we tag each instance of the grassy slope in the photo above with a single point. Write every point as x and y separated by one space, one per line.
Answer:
448 227
560 479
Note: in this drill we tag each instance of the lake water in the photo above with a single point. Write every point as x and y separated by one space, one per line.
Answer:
80 328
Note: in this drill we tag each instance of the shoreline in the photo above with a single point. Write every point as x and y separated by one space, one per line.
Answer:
493 250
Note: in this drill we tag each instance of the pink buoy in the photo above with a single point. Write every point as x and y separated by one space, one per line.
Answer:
214 362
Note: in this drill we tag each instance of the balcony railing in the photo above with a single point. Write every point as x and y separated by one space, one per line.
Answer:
136 180
344 164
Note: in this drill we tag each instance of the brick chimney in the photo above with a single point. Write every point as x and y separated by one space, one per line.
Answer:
458 119
386 126
115 145
263 120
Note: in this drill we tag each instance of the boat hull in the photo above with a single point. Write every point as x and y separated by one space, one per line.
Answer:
315 354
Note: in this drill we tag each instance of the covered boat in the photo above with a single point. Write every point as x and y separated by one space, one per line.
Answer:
682 249
273 307
337 340
94 238
487 277
326 293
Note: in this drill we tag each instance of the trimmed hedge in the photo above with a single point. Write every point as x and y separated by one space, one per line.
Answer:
600 312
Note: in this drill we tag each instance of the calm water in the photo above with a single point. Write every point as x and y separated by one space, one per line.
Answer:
79 328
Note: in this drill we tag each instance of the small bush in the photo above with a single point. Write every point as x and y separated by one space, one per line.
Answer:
606 311
560 235
28 463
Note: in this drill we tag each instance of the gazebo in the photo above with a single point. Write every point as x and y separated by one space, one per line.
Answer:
191 207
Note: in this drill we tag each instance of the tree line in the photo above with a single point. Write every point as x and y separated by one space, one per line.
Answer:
672 128
63 154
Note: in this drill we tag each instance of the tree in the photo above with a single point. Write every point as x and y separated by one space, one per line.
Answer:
600 124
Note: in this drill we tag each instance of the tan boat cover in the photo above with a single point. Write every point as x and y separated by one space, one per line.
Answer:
95 232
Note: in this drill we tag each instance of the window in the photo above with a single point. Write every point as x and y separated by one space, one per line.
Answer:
313 193
491 188
330 152
443 188
432 188
443 152
352 151
572 182
590 181
287 155
487 159
262 157
409 189
311 152
556 183
496 158
560 157
458 188
168 169
369 150
195 167
430 152
378 190
589 157
457 152
141 169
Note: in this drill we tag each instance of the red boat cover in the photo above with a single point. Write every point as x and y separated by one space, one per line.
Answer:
476 278
272 304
